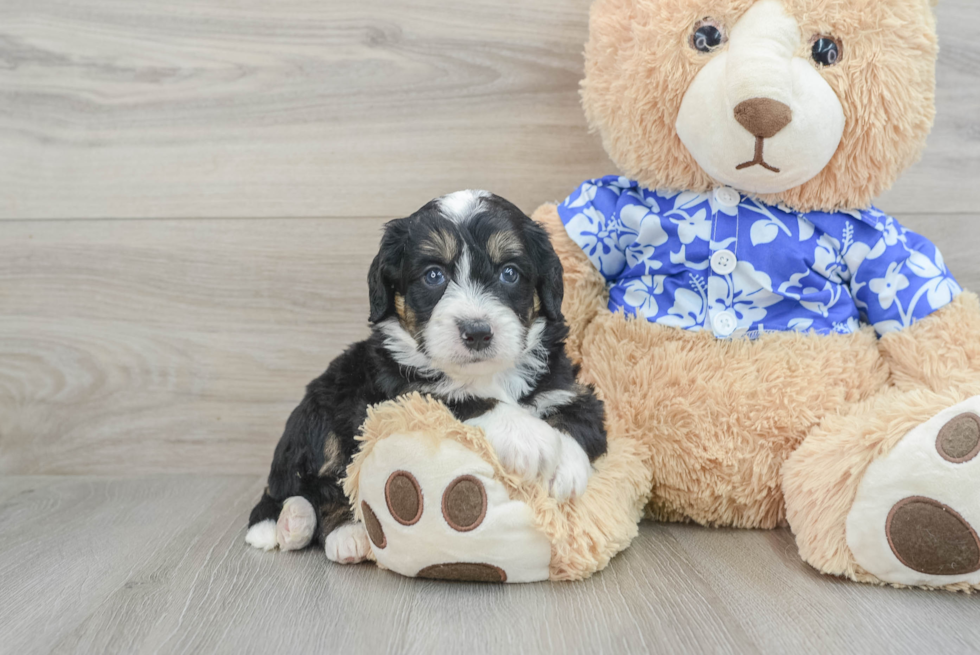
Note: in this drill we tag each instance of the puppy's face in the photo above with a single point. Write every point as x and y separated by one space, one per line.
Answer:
463 284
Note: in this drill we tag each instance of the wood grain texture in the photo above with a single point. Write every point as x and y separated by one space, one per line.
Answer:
139 109
159 565
128 346
785 606
115 108
67 545
181 346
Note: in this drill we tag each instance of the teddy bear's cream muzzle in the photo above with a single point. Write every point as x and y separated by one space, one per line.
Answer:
759 117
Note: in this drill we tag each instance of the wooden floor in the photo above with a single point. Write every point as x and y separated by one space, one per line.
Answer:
157 564
190 195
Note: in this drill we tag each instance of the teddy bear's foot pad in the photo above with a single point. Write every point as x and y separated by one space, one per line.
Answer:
915 518
433 509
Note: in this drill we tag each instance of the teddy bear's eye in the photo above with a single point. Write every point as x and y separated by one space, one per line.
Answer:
826 50
707 36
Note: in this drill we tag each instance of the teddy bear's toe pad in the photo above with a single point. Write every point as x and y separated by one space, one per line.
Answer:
915 517
464 572
433 509
931 538
959 440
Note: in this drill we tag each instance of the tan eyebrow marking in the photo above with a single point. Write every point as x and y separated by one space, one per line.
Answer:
503 245
535 308
406 316
440 244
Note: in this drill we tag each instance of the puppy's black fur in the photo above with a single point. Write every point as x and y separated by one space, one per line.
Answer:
318 442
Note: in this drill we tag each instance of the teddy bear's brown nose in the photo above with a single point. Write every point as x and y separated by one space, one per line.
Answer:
764 118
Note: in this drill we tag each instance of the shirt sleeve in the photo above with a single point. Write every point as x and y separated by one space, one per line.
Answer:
590 216
901 278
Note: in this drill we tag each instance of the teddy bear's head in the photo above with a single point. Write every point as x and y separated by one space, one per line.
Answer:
817 104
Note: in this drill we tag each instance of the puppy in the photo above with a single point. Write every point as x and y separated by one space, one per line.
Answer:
465 301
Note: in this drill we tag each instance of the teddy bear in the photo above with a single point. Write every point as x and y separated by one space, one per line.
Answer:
771 349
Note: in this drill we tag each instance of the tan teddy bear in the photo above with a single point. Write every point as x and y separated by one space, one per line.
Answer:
769 346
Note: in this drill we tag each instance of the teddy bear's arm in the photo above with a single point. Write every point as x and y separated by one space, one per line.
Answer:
938 352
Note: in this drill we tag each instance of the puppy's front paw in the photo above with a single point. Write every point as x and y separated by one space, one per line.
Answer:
296 524
347 544
525 445
574 471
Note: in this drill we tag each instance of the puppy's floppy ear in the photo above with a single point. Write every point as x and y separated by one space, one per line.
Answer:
551 286
386 269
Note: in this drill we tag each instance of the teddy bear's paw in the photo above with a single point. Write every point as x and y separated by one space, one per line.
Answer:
916 516
574 469
525 445
437 511
347 544
296 524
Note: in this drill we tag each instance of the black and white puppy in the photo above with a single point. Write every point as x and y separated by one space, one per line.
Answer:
465 298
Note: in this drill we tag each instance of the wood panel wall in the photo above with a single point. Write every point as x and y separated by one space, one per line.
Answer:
191 192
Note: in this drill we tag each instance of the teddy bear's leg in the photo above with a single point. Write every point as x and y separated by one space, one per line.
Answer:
889 489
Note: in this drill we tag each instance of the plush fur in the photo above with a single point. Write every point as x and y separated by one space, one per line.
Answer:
771 446
639 66
585 534
781 429
750 403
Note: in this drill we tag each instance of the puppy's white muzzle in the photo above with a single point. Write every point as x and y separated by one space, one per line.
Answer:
465 304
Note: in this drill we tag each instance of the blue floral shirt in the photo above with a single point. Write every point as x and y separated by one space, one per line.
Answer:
730 264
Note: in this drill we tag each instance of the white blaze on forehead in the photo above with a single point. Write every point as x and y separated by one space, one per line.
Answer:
461 205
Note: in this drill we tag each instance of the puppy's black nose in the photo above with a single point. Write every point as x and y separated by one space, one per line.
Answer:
476 335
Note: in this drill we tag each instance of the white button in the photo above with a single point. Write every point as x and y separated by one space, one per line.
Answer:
723 262
724 324
727 196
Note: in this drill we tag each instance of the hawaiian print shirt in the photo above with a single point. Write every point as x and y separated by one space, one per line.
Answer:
730 264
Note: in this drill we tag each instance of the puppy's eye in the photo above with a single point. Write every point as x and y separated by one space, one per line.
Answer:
826 50
707 36
509 275
434 277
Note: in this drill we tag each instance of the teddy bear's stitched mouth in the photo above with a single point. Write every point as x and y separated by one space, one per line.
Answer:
758 160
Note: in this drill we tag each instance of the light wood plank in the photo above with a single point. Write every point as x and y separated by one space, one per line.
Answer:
788 607
115 108
200 589
159 565
136 109
129 346
181 346
68 544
